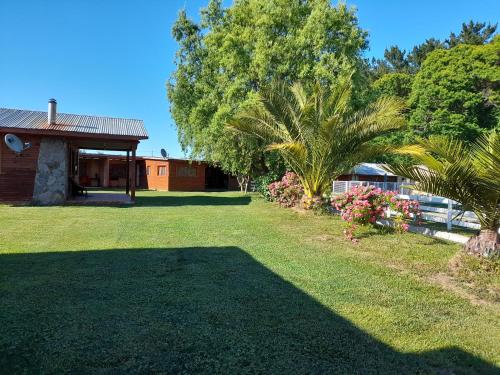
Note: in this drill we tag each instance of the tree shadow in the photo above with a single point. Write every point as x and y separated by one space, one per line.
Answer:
182 310
192 200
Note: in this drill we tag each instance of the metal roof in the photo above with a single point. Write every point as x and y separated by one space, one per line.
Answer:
370 169
65 122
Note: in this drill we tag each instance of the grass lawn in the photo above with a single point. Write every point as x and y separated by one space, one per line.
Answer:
225 283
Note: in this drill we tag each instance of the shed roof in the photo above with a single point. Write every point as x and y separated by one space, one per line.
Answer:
71 123
370 169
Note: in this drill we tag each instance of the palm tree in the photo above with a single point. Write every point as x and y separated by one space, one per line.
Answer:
469 175
316 130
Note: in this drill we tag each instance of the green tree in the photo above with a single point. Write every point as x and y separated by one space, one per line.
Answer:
419 53
456 92
397 59
316 130
394 61
469 174
223 61
394 84
378 68
475 33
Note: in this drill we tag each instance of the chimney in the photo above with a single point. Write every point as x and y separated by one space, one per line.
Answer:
51 114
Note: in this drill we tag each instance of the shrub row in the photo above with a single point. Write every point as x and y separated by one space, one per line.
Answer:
361 206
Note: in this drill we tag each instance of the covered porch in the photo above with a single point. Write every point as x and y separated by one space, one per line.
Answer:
87 176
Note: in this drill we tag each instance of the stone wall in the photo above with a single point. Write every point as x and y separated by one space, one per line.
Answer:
51 181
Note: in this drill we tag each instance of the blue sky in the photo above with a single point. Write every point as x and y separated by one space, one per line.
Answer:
113 57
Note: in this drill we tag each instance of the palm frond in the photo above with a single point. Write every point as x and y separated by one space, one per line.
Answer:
447 167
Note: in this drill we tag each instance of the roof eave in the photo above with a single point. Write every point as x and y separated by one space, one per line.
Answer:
59 133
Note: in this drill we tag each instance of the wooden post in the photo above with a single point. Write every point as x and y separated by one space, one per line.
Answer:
127 183
133 179
105 177
449 215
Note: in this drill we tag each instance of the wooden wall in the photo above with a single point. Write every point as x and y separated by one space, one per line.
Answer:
17 172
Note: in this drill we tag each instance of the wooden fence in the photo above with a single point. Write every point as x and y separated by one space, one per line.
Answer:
434 208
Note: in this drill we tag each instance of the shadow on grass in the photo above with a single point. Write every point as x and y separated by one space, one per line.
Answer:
192 200
154 201
184 310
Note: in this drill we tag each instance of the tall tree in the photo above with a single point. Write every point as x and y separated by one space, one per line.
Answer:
457 92
394 84
316 129
475 33
419 53
223 61
397 59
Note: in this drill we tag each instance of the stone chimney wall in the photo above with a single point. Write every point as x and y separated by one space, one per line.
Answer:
51 181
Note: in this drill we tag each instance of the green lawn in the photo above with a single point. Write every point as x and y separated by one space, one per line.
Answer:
225 283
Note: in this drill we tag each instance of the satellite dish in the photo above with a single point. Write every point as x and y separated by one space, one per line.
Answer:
15 144
164 153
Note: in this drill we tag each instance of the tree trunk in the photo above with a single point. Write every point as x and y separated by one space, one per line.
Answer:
243 181
486 243
309 203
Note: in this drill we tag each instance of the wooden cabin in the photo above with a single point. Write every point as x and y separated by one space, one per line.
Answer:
154 173
47 171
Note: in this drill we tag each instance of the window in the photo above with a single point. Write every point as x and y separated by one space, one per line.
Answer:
162 170
186 172
148 171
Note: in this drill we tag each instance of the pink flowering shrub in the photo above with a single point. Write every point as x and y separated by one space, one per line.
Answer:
288 191
364 205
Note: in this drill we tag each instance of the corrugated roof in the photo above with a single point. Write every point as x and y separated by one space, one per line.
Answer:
370 169
65 122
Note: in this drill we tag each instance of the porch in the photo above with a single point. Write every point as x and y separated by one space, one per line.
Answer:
84 175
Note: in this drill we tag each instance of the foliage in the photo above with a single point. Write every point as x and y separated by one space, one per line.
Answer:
475 33
419 53
262 184
394 84
456 93
316 130
288 191
467 174
364 205
233 52
397 59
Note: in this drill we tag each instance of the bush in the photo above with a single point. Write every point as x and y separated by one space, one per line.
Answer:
286 192
364 205
262 185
